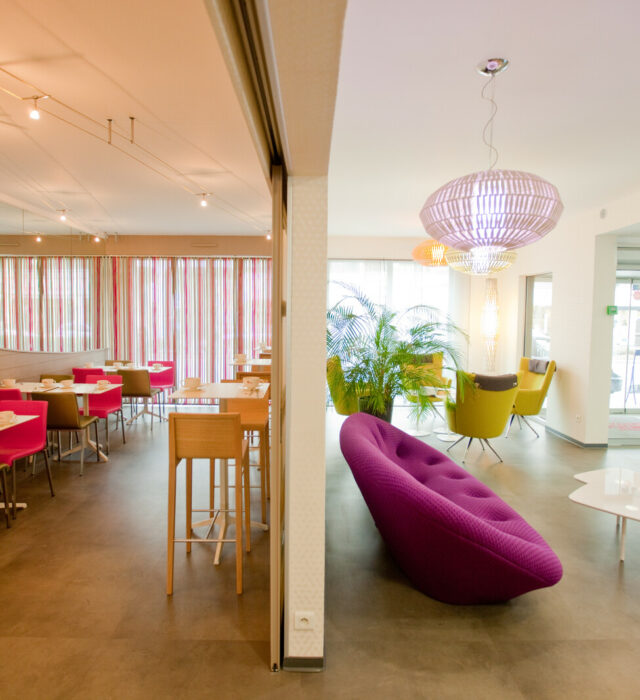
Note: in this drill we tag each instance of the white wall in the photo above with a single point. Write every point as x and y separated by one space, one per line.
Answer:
582 259
305 415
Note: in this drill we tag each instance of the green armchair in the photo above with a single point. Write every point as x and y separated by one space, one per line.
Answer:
534 378
344 403
482 408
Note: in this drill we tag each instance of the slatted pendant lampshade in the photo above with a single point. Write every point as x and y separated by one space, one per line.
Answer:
430 253
483 260
499 208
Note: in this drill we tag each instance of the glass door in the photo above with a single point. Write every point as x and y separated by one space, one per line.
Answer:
625 370
537 338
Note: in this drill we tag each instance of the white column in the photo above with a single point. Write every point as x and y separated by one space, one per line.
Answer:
305 419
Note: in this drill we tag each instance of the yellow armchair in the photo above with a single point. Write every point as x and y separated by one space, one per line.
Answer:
482 408
532 390
344 403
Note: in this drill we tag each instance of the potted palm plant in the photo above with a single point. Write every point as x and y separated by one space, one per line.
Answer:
382 352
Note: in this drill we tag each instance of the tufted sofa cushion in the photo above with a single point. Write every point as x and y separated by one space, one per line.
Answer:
455 539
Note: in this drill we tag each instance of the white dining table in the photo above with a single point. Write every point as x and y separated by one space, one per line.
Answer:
84 390
222 392
110 369
17 420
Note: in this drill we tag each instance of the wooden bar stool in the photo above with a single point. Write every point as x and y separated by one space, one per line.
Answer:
208 436
254 417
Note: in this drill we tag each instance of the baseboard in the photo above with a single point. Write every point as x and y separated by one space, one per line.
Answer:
573 441
303 664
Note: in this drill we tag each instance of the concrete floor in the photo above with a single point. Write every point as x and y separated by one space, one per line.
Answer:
85 615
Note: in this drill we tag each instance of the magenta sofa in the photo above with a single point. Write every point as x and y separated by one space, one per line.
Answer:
454 538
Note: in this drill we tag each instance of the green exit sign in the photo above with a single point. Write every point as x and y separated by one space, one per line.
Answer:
612 310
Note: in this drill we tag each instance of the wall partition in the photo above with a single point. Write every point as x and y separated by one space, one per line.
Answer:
196 311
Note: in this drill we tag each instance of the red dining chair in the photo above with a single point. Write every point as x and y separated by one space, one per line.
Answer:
166 379
102 405
10 395
80 374
25 439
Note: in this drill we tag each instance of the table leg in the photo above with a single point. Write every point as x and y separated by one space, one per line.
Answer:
622 538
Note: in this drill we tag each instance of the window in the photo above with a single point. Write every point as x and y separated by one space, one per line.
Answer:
537 339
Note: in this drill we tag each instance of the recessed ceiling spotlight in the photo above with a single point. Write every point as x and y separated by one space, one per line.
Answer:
96 239
203 200
38 239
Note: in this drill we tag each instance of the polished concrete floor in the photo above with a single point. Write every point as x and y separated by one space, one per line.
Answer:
85 615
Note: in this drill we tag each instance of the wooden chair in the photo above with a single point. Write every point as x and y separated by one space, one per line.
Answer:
264 375
207 436
63 416
254 417
4 468
137 385
56 377
110 363
265 355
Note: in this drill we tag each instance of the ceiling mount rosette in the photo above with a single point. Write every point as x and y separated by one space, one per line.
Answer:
430 253
503 208
483 260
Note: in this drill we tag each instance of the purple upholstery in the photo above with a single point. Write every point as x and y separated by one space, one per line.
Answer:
452 536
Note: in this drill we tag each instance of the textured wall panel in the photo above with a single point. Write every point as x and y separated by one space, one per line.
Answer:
305 429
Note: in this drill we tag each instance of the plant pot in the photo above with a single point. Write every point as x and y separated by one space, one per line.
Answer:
364 407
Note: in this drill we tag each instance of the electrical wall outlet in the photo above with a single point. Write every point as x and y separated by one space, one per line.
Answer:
303 620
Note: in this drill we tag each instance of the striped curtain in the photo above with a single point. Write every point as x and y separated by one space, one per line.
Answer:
198 312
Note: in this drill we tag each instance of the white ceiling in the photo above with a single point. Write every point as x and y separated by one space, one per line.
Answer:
409 115
157 61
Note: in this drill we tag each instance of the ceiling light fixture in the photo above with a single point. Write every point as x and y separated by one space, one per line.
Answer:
63 214
96 239
38 239
35 112
480 261
430 253
203 200
494 210
269 236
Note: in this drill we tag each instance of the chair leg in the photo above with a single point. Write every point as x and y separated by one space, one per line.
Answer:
263 474
246 481
14 489
59 447
106 430
171 527
526 422
212 486
467 450
5 495
494 452
513 415
453 444
95 426
124 439
82 446
238 491
45 454
189 503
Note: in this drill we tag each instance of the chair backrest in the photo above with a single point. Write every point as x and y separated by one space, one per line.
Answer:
344 404
33 433
204 435
264 355
110 363
266 376
63 411
110 400
165 378
56 377
80 374
534 380
135 382
481 412
10 395
250 410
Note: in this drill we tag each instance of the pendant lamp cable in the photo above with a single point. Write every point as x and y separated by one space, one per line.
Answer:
487 132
